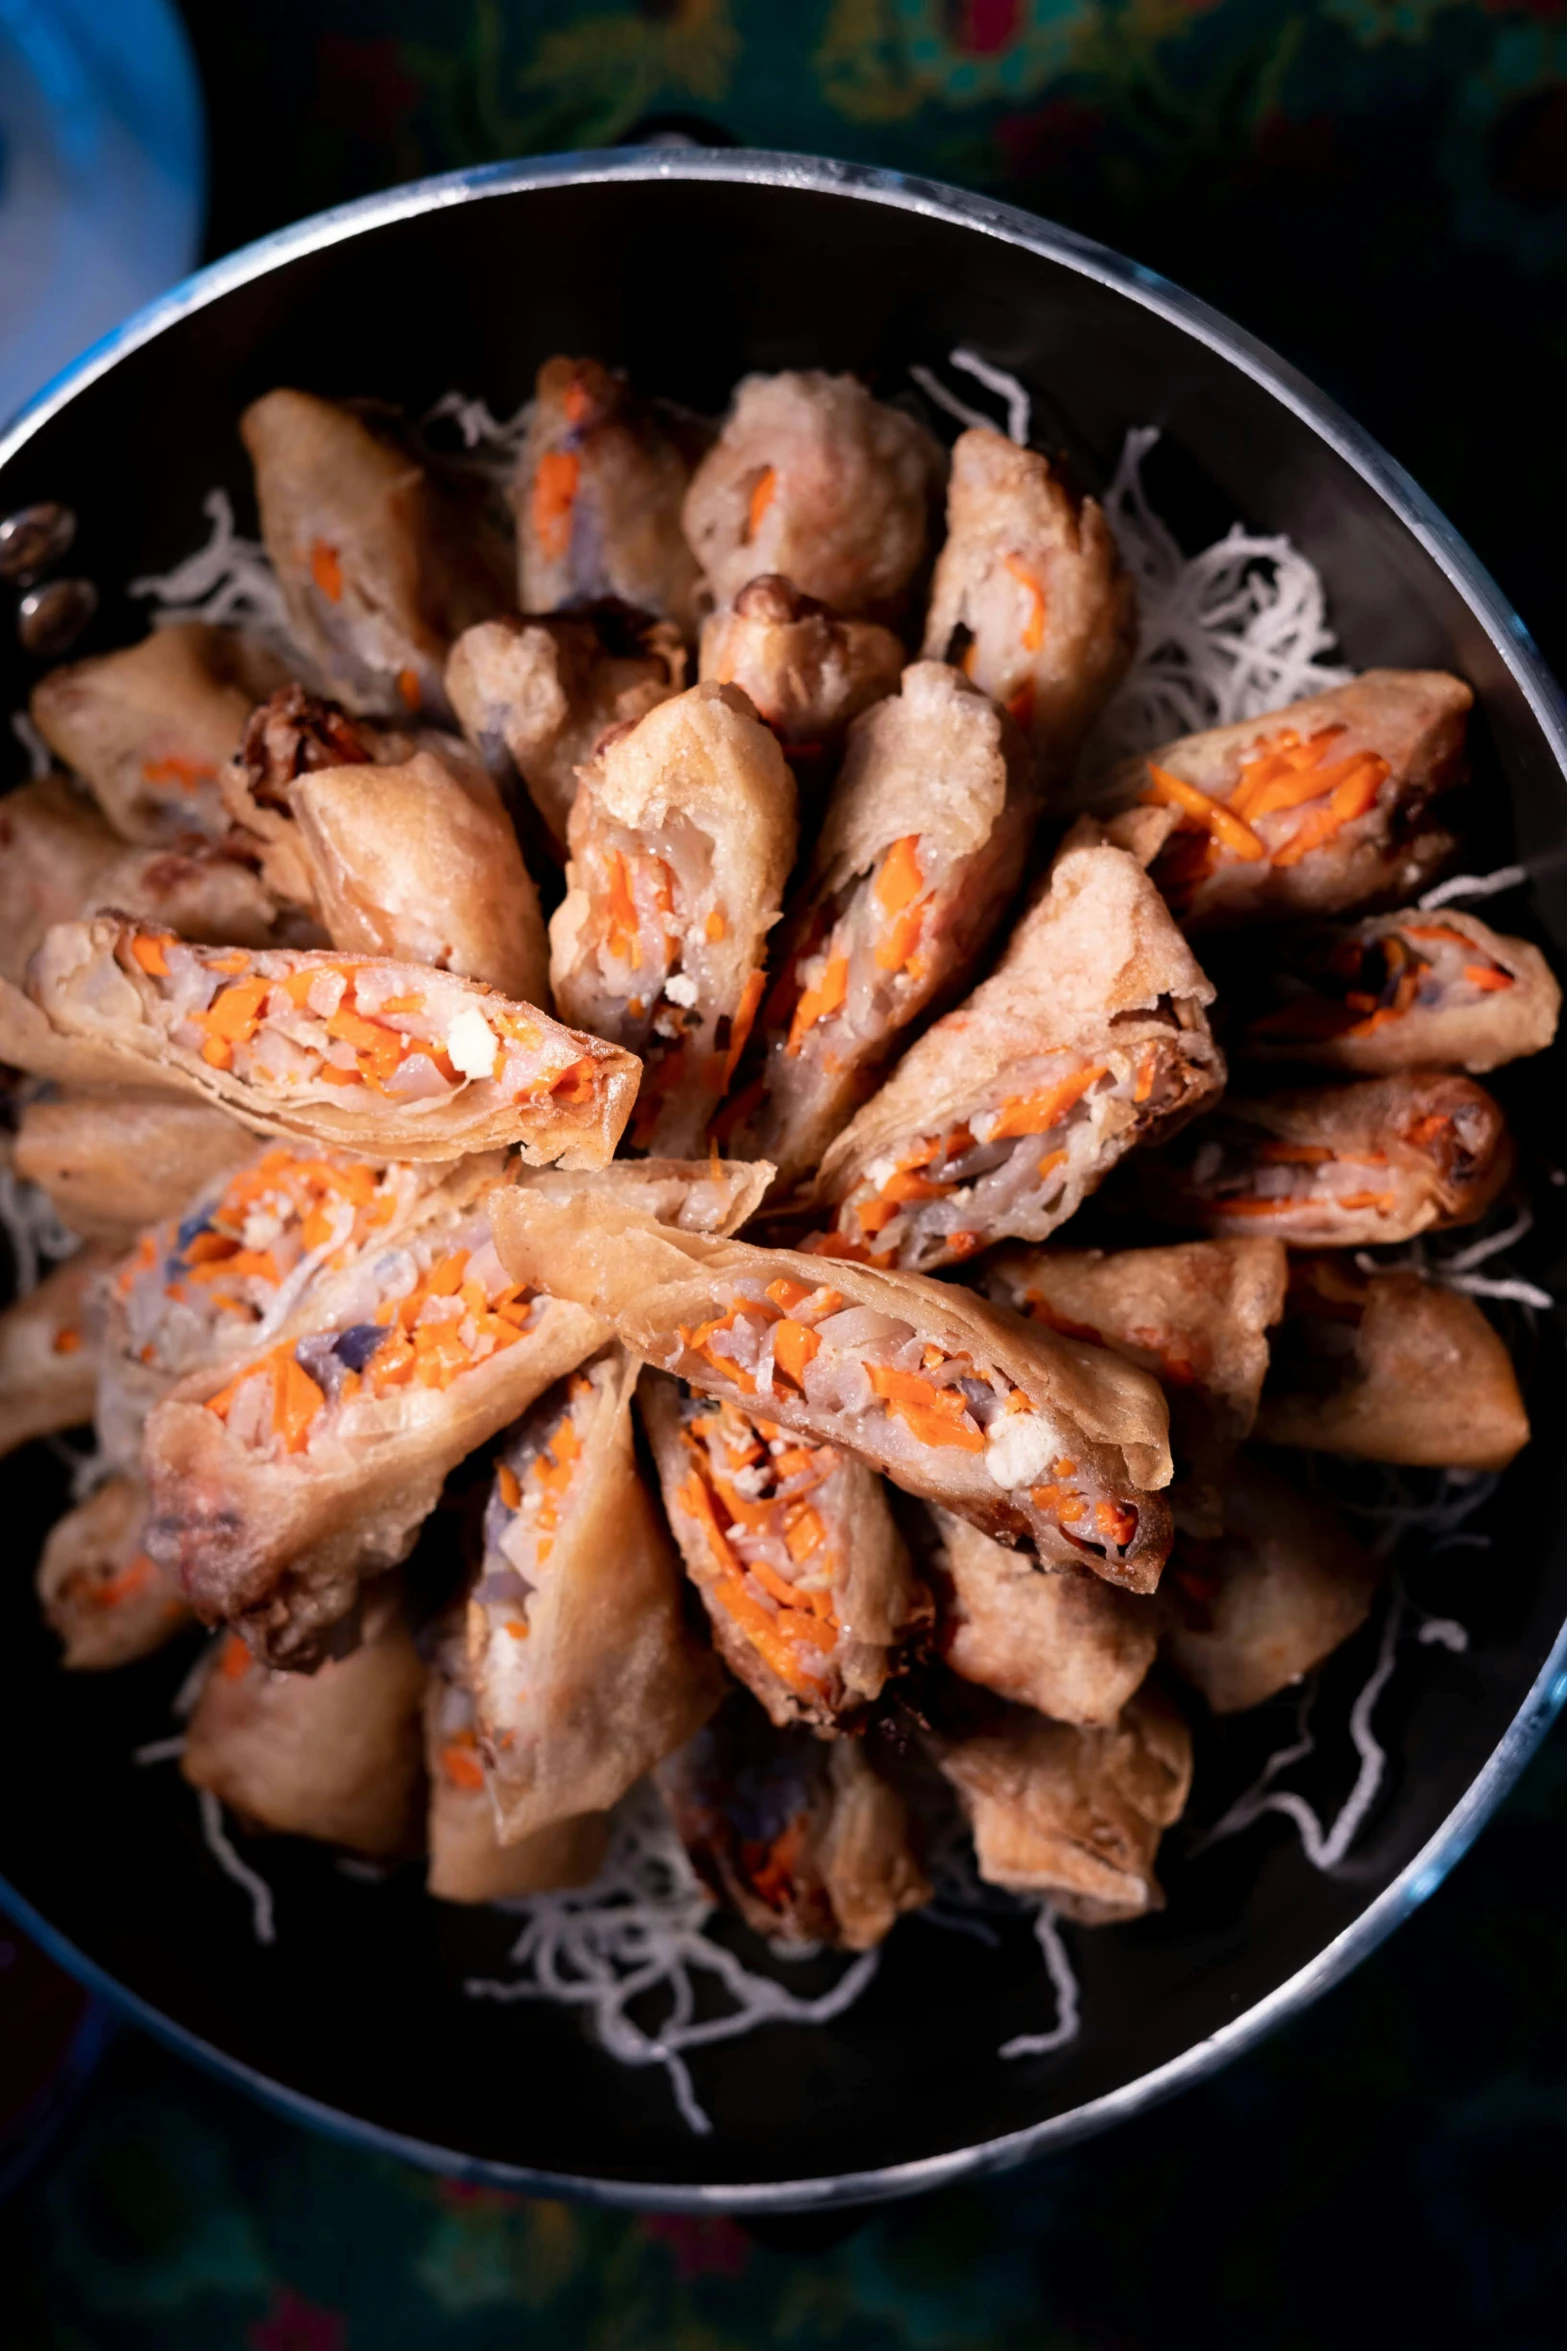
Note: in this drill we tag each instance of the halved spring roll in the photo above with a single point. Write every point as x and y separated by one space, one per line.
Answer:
1069 1646
54 846
1403 991
597 496
49 1352
1339 1167
1029 597
1089 1038
813 478
108 1601
920 851
1280 1590
1320 808
149 728
1075 1812
1388 1367
116 1160
334 1754
682 836
200 892
583 1669
1040 1441
807 671
806 1840
794 1550
392 1059
382 559
543 693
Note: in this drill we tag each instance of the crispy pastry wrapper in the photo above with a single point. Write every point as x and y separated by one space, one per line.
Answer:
806 1839
335 1754
1282 1588
851 1364
541 694
806 1580
1338 1166
1403 991
699 1195
813 478
252 1032
1196 1314
54 846
290 735
584 1671
120 1158
920 851
109 1602
1071 1811
382 559
1320 808
150 727
1090 1038
1029 596
682 837
49 1352
196 889
807 671
1069 1646
597 496
1388 1367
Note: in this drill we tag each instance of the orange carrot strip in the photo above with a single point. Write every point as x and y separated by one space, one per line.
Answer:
554 494
1230 831
1036 1114
764 491
507 1486
819 1001
1349 799
1033 588
326 569
149 952
460 1764
898 879
745 1015
793 1348
1487 976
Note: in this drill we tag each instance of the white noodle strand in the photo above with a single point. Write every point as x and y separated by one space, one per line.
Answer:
1474 885
228 583
159 1750
261 1914
36 1237
1063 1982
934 389
1006 387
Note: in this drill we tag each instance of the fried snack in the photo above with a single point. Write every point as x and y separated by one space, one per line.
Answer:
699 1195
49 1352
805 1839
292 734
807 671
114 1161
391 1059
1196 1315
1090 1038
202 894
1388 1367
1319 808
1030 1436
813 478
682 836
1402 991
468 1862
543 693
150 727
583 1670
109 1602
920 851
1280 1590
597 494
1029 597
335 1754
382 561
1073 1812
54 846
1340 1167
1068 1645
794 1550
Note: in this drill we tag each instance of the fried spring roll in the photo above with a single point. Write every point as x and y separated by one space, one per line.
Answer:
1073 1812
54 846
109 1602
1254 1611
1040 1441
1069 1646
682 836
392 1059
1029 597
1090 1038
112 1162
334 1755
583 1670
699 1195
1404 991
382 561
49 1352
805 1839
597 495
292 734
198 891
813 478
543 694
1388 1367
1341 1167
793 1548
149 728
807 671
1319 808
921 849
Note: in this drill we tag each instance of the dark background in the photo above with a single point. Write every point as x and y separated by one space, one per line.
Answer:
1379 188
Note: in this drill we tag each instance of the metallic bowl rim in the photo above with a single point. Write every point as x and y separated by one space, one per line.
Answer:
930 199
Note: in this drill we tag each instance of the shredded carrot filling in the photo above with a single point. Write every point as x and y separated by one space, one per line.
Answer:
1036 1114
181 768
234 1659
554 495
460 1763
794 1346
326 569
896 890
510 1490
1033 588
67 1341
744 1020
826 996
151 952
937 1416
1487 976
1231 831
408 688
131 1579
763 493
744 1586
1361 781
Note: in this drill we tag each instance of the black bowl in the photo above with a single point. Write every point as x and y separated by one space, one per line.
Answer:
688 269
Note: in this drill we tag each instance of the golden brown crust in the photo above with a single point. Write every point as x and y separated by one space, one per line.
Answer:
108 1602
1069 1646
124 1157
49 1352
54 846
808 672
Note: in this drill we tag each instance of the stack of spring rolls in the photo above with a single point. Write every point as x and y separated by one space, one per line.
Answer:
571 1079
